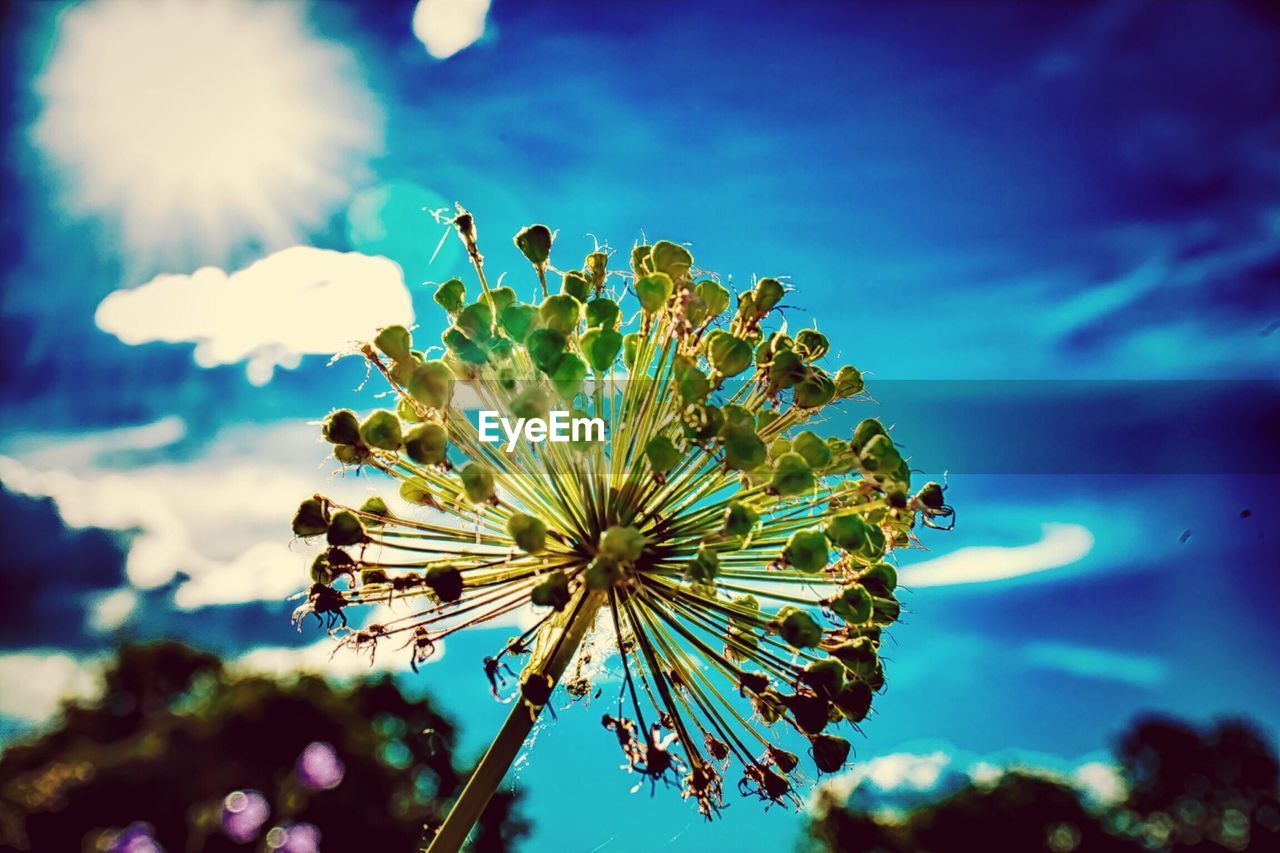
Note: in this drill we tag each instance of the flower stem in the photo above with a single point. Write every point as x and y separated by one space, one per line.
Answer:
564 637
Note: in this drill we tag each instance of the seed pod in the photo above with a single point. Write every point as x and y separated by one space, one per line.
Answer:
783 760
849 382
797 628
739 519
853 605
728 355
701 421
373 577
662 454
519 320
743 450
787 369
529 533
376 507
477 482
476 321
791 475
601 347
577 285
534 242
705 565
825 676
395 342
807 551
568 375
886 611
545 347
735 418
451 295
536 689
842 459
445 582
931 496
881 579
341 427
653 291
864 432
714 295
815 390
310 520
813 448
320 571
848 531
693 385
768 293
624 544
670 258
640 261
602 573
462 347
345 529
810 712
381 430
859 656
561 313
416 491
431 384
854 701
602 313
596 264
829 752
427 444
530 403
552 592
811 345
879 456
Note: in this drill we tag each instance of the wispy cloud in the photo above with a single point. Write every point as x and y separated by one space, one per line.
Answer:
447 26
1104 664
1060 545
34 683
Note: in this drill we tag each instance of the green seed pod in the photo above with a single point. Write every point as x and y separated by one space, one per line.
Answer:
693 385
545 347
530 403
825 676
653 291
405 411
476 321
930 496
309 520
864 432
859 656
445 582
577 285
552 592
395 342
451 295
853 605
568 375
341 427
403 369
602 313
320 571
807 551
670 258
432 384
534 242
373 577
695 309
381 430
477 482
880 578
798 628
743 449
849 532
736 417
727 354
662 454
739 519
791 475
768 293
765 417
519 320
640 261
849 382
377 507
787 369
842 459
813 448
715 296
500 299
416 491
811 344
348 455
886 611
462 347
601 347
854 701
602 573
705 565
624 544
779 446
529 533
596 265
427 444
561 313
631 349
701 421
880 457
829 752
815 390
345 529
536 689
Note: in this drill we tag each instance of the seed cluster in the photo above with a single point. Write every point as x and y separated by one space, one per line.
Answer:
738 558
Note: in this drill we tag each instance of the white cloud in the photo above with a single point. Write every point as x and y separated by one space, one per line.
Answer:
111 611
200 129
295 302
1060 545
1102 783
1102 664
34 683
447 26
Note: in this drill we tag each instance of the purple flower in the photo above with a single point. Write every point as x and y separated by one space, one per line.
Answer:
243 814
135 838
294 838
319 767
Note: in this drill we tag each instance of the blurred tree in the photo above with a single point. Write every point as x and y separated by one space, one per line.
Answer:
159 759
1188 790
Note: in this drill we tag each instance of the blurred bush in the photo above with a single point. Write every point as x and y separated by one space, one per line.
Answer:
179 754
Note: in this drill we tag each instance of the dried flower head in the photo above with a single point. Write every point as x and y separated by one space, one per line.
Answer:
735 558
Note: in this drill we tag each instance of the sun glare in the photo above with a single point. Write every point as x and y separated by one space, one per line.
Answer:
200 129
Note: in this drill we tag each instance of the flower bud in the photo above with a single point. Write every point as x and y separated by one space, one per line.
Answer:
529 533
931 496
880 578
341 427
381 430
500 299
853 605
693 385
451 295
768 293
631 348
810 712
602 573
534 242
705 565
476 321
431 384
416 491
807 551
536 689
701 421
518 320
743 449
786 369
596 265
864 432
530 403
825 676
377 507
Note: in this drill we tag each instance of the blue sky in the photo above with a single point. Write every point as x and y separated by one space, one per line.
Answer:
976 192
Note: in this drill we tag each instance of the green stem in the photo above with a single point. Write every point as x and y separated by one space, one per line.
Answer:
564 641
